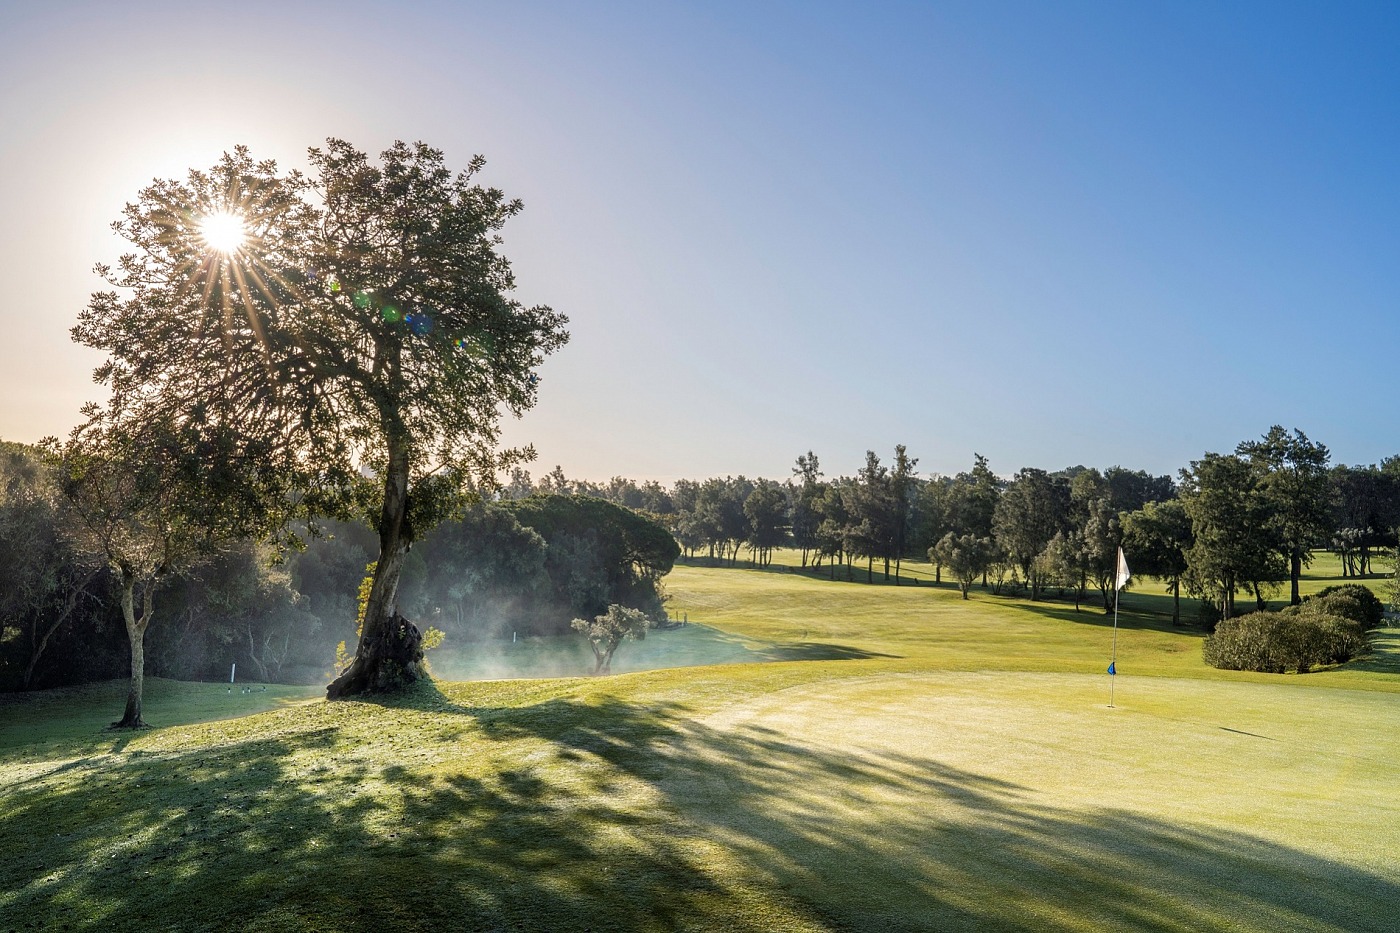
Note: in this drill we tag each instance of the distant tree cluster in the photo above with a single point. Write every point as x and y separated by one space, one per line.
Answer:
1242 523
533 557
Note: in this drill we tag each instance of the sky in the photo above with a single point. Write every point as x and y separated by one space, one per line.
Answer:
1049 233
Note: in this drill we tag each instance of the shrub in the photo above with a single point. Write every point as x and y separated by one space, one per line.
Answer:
1244 643
1297 639
1351 601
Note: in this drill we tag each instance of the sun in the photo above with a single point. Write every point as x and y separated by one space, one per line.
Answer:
222 232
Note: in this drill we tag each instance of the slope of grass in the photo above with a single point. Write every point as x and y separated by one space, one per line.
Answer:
933 764
785 610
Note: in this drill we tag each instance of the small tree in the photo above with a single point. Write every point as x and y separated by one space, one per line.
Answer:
805 515
966 557
145 502
608 630
1064 562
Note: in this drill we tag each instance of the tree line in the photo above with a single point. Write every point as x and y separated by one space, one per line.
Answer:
1243 523
532 555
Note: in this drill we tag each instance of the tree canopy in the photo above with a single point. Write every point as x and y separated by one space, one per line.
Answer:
360 324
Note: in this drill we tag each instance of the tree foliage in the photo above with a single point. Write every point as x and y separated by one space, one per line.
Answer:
1294 483
599 553
967 557
1029 512
1233 546
1159 536
608 630
366 321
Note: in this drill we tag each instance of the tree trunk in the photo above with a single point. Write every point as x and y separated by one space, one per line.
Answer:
1295 571
136 634
1176 601
390 653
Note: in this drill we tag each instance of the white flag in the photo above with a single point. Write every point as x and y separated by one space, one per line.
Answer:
1123 575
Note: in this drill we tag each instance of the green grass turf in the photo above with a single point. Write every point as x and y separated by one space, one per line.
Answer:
921 763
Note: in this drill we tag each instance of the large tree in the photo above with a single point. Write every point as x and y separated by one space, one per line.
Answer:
805 516
1029 512
355 321
766 511
1234 544
1157 538
903 488
1295 482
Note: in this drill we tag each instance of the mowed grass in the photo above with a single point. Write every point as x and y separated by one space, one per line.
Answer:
921 763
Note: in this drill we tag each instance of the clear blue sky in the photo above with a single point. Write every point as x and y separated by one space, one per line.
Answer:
1052 233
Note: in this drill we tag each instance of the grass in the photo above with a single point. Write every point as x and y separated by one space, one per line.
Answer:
922 763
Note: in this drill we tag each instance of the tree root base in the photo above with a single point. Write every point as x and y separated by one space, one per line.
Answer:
386 662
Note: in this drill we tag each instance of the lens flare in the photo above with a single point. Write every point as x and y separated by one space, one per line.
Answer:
222 232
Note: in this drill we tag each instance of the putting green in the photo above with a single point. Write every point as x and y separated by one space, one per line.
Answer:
952 800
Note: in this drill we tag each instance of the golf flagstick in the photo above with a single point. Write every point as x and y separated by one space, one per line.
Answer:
1121 577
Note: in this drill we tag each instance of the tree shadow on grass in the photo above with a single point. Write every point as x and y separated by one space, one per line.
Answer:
815 651
749 649
1384 656
1130 615
591 812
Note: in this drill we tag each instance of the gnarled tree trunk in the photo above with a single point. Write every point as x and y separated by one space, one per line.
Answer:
390 653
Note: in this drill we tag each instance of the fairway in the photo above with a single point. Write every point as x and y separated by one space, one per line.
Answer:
911 761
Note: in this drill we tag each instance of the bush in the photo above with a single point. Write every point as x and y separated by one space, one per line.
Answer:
1351 601
1244 643
1297 639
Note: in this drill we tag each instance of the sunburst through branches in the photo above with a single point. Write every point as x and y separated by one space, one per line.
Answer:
222 232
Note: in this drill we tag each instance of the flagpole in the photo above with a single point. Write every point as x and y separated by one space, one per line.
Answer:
1121 575
1113 658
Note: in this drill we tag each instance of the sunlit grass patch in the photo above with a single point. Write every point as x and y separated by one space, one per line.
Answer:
922 762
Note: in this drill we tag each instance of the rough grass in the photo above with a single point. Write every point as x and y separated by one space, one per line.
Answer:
931 764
